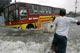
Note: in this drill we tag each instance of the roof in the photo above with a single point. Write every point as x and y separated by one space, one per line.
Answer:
3 3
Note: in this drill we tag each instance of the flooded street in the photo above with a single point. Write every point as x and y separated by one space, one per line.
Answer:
74 39
35 41
28 41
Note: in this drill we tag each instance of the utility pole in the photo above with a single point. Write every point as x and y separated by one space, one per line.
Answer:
75 8
15 1
15 9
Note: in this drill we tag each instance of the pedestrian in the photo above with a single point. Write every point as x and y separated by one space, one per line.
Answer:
59 43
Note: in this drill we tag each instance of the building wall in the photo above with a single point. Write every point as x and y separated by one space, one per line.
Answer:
1 20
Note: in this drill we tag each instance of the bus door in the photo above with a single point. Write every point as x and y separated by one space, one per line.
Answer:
23 13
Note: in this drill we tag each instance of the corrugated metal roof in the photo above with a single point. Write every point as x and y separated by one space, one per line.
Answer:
3 3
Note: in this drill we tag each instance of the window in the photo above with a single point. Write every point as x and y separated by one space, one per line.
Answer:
56 11
13 15
23 13
42 10
12 7
31 9
29 6
35 7
22 5
16 15
51 10
38 7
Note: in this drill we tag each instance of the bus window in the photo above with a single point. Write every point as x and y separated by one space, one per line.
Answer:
42 10
30 7
23 13
13 15
12 7
16 15
35 7
50 10
57 11
22 5
38 7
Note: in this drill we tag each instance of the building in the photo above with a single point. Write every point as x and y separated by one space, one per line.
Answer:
2 4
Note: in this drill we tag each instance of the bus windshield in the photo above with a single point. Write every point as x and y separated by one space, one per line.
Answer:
23 13
11 14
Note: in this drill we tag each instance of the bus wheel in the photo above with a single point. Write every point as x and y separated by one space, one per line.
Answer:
30 26
18 27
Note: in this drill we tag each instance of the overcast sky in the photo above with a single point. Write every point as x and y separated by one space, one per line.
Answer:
69 5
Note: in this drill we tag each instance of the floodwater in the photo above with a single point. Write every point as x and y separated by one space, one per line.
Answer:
35 41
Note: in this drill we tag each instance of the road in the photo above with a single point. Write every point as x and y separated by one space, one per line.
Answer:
35 41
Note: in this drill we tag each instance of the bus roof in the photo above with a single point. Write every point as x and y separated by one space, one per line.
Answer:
32 4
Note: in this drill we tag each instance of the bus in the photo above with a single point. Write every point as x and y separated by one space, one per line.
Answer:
27 15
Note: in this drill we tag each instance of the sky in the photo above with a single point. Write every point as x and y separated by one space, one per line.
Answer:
69 5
